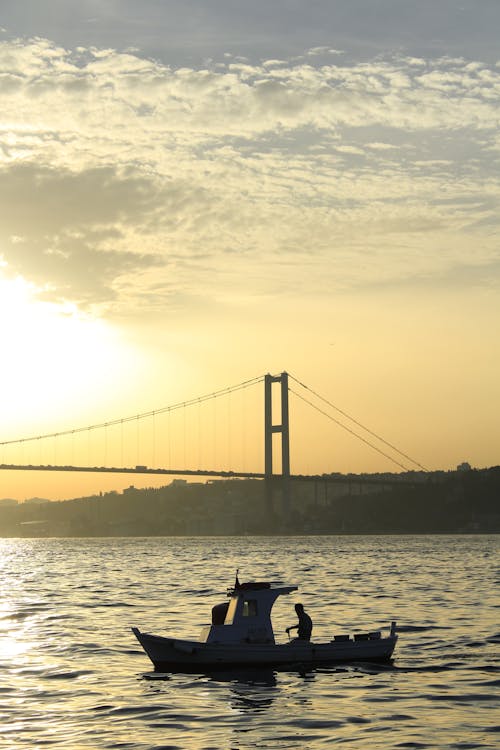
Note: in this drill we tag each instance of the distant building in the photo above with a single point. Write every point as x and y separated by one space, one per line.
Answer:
465 466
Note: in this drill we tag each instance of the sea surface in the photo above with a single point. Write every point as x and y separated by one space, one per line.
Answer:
73 676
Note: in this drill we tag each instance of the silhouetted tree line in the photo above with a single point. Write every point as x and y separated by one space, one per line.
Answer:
437 502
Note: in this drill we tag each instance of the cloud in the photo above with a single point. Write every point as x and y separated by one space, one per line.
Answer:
65 231
127 182
75 91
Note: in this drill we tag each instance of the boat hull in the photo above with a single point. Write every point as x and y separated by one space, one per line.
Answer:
174 655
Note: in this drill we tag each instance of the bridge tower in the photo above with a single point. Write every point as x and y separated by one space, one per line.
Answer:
283 429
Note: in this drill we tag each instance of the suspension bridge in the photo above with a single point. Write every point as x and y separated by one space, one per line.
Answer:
171 439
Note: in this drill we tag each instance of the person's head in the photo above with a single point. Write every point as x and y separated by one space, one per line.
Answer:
299 608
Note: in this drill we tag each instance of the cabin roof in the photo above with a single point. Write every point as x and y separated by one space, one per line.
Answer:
260 587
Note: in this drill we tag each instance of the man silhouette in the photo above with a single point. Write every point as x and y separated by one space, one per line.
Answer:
304 626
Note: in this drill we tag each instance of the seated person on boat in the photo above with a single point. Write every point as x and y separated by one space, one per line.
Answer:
304 626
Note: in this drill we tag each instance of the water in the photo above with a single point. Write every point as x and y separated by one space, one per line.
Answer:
72 675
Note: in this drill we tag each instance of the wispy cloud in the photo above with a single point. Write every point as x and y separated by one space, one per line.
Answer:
124 180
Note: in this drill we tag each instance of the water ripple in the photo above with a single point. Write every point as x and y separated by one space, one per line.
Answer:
72 676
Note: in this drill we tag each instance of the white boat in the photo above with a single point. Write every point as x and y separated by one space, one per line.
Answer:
241 635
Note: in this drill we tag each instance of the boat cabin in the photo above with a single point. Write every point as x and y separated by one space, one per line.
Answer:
246 618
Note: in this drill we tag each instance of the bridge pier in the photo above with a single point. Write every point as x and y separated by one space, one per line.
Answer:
283 429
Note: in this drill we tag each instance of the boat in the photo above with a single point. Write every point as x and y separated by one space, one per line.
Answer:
241 635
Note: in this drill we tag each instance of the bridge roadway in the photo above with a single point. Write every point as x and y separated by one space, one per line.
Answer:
333 478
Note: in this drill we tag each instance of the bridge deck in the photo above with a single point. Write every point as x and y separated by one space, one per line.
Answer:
342 479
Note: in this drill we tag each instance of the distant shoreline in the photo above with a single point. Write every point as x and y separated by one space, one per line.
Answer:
264 536
462 502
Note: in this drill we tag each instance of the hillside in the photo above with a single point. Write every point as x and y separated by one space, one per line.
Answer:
437 502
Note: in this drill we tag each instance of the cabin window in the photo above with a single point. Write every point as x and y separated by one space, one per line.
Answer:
250 608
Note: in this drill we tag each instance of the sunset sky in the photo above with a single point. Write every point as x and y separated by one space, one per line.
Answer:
197 192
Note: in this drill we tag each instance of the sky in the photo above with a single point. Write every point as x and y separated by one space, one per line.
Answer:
194 193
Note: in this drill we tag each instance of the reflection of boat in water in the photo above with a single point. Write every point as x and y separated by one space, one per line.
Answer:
241 635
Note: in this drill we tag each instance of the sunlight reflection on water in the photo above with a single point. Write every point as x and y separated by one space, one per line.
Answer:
72 675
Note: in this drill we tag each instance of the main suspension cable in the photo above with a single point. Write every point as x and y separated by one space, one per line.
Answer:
154 412
366 429
348 429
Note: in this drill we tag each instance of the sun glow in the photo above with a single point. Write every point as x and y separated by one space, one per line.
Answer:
57 363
